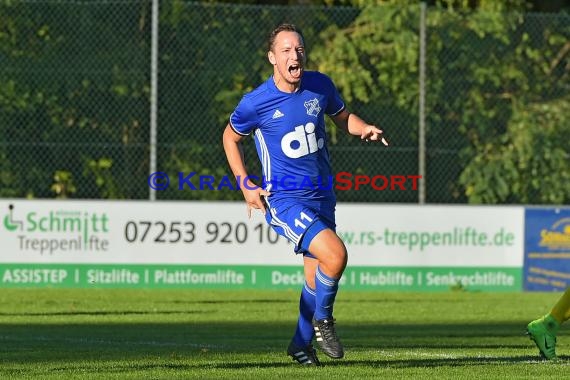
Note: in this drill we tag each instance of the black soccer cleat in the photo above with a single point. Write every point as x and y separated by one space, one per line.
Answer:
303 355
327 338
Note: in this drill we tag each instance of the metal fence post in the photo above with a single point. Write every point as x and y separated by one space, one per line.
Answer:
153 94
422 95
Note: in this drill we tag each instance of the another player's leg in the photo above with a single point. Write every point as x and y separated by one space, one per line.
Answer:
330 251
300 348
543 330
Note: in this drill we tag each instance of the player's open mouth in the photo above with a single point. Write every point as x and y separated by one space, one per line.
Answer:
295 70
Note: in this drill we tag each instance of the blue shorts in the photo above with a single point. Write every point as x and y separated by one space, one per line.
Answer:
300 221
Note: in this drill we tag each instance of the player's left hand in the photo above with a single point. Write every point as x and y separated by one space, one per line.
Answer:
372 133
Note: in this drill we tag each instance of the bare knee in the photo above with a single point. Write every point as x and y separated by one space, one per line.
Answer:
337 258
329 249
334 262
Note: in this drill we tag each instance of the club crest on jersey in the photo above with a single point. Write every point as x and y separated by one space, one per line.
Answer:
313 107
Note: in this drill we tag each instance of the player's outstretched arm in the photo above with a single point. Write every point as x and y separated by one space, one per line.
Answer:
354 125
234 154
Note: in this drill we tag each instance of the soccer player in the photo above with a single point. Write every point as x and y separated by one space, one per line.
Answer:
543 330
286 116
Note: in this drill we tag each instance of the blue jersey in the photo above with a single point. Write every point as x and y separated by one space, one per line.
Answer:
290 136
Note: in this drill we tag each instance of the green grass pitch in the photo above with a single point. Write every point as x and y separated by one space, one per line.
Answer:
214 334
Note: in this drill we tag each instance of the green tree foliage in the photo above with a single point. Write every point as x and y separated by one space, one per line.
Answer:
529 163
73 89
481 95
483 66
75 80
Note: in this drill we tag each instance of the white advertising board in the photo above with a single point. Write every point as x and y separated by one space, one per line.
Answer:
213 244
220 233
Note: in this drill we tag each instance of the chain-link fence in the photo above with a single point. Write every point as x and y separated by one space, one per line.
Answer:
74 85
75 104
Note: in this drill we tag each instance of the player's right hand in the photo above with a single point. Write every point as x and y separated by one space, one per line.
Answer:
253 199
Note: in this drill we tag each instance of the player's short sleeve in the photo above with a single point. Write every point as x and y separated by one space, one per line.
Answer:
335 104
244 119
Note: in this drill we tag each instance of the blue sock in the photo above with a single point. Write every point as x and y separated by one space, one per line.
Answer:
304 333
326 289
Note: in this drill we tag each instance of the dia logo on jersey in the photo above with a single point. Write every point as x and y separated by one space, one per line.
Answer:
301 141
